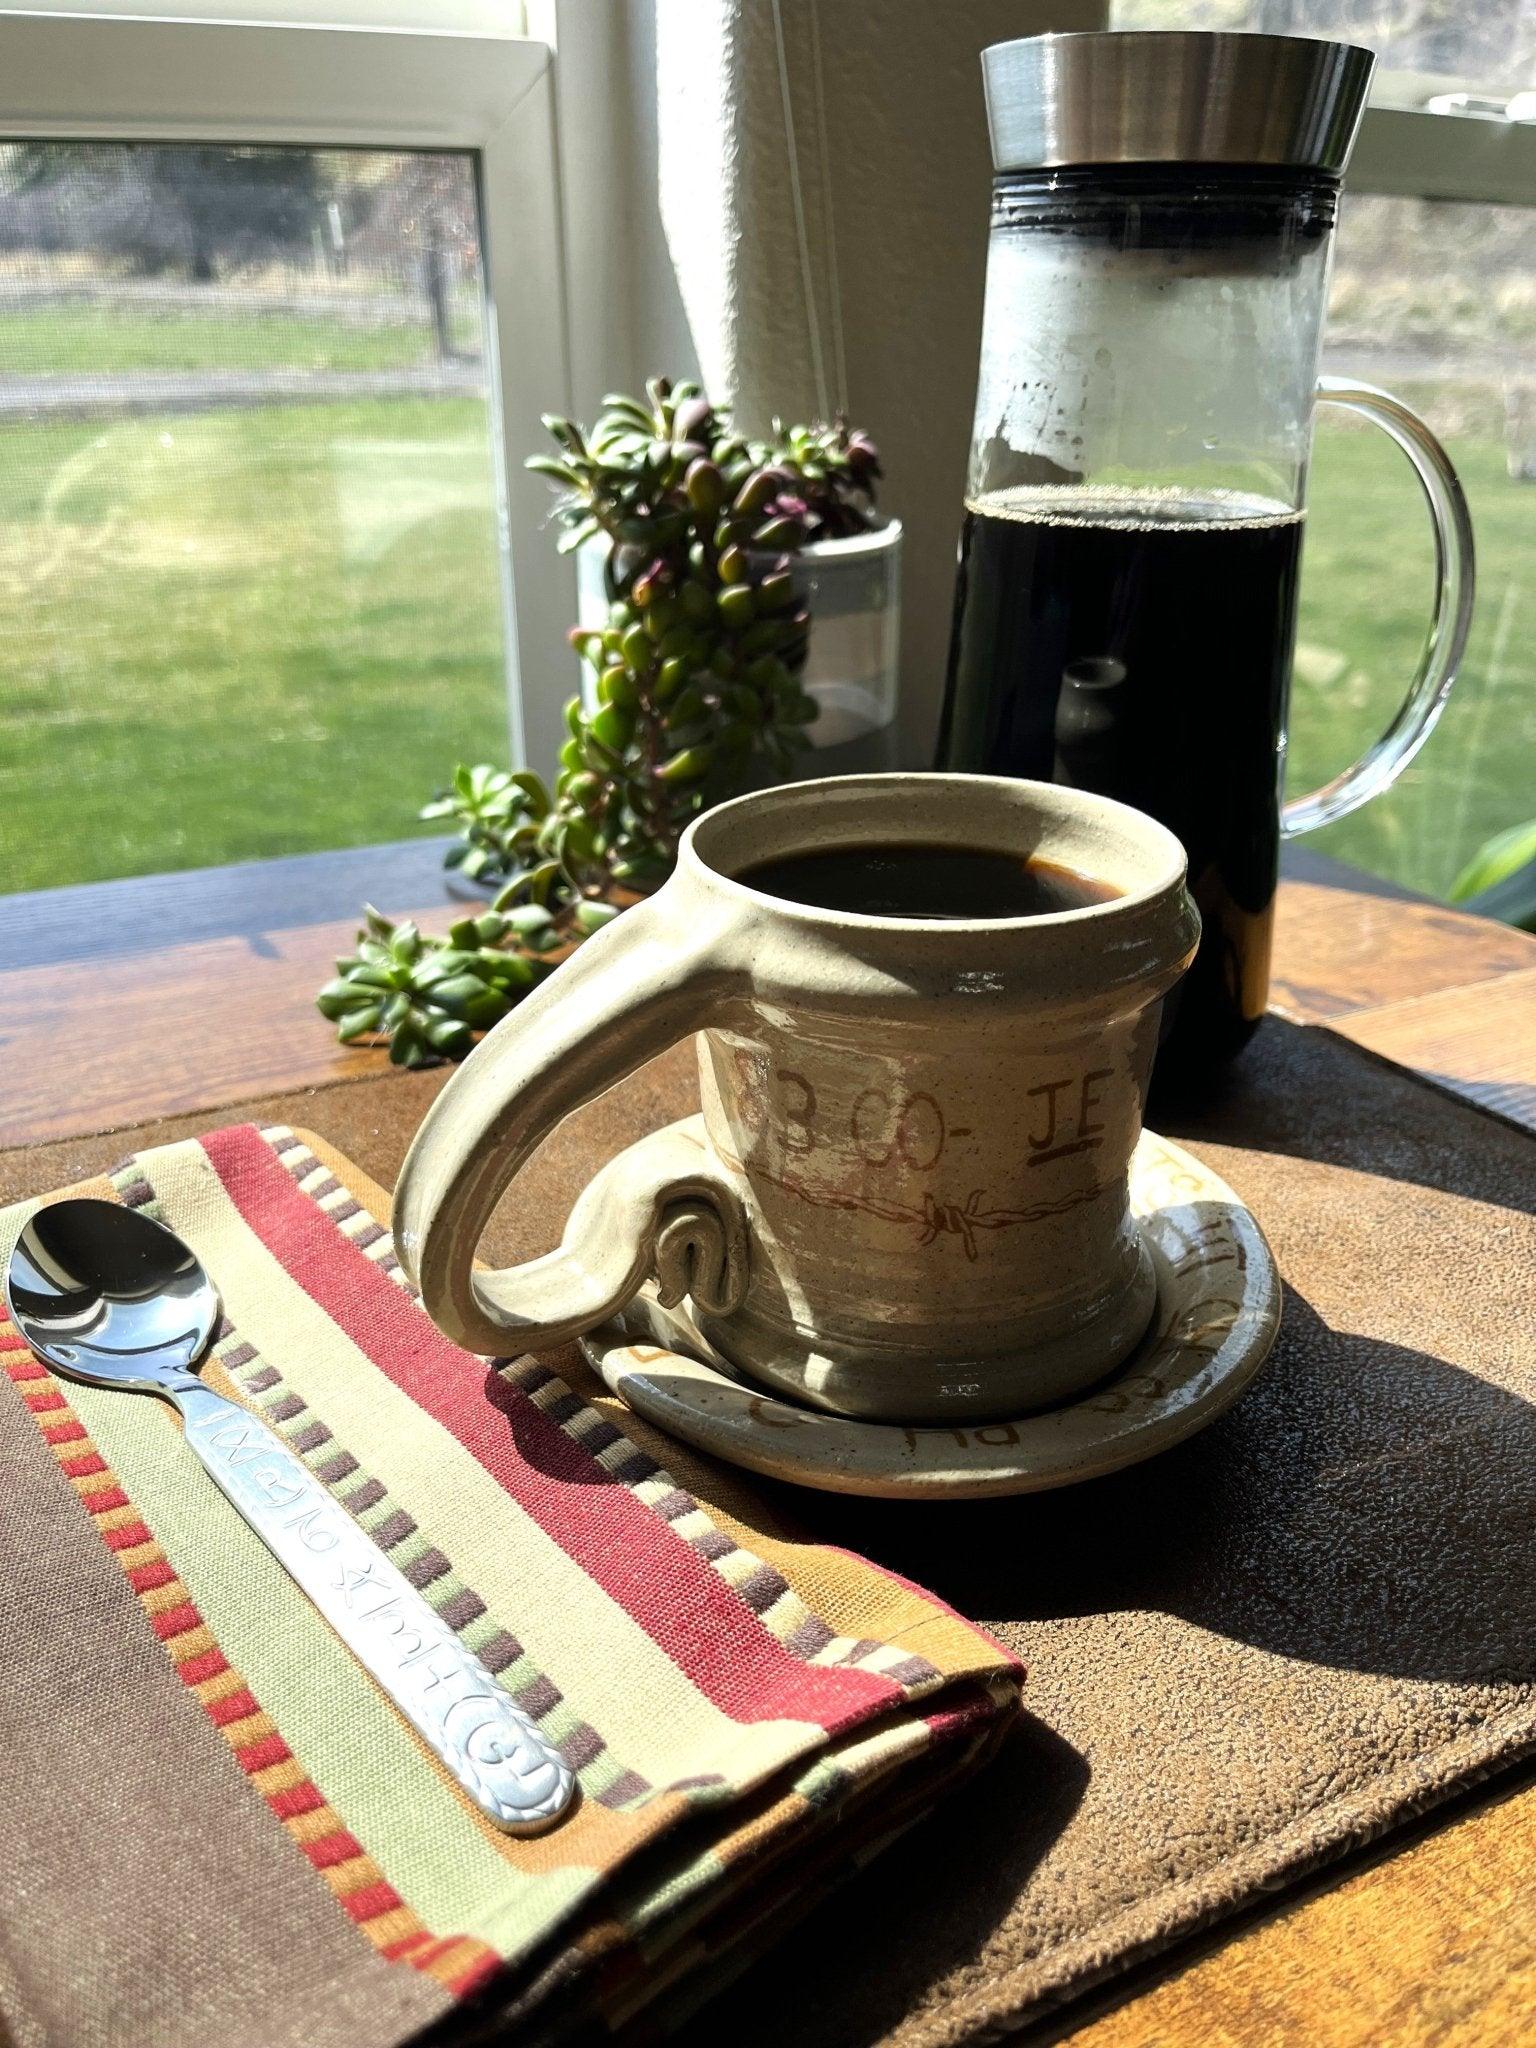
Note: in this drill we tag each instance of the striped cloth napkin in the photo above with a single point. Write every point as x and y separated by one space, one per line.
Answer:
217 1829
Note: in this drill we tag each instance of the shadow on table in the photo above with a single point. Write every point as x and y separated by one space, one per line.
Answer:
1300 1092
924 1907
1365 1507
1299 864
1513 1100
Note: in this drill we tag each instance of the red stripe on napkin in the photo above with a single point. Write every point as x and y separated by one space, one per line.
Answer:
672 1592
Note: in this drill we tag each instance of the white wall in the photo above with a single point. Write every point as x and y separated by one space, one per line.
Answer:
626 313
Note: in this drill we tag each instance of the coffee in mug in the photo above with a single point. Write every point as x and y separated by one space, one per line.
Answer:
897 880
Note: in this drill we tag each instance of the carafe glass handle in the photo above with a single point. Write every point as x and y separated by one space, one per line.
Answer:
1382 763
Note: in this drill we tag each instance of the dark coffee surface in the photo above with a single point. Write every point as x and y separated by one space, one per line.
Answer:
926 881
1139 644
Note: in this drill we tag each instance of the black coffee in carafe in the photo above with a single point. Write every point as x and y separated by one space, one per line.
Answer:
1139 644
1125 608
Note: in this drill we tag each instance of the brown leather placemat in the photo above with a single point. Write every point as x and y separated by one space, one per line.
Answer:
1245 1658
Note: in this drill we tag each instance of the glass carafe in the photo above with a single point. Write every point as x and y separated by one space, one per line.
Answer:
1126 602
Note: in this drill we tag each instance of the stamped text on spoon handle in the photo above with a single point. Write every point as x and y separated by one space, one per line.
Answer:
492 1748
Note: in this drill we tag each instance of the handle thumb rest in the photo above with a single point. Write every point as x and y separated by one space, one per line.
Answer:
701 1249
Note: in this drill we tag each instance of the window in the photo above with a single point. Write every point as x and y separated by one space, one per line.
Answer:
1435 300
279 308
1433 297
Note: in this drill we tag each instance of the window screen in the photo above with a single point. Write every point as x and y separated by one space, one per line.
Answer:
248 540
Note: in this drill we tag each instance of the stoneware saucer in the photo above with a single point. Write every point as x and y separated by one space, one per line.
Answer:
1218 1308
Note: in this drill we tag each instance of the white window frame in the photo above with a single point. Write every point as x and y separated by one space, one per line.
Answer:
102 77
1408 151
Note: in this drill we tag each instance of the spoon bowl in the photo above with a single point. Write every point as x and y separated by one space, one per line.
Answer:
108 1295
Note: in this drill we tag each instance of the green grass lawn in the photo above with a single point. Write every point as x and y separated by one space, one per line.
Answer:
82 340
258 632
240 633
1366 586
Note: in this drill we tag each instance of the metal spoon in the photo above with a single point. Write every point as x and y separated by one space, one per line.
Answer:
108 1296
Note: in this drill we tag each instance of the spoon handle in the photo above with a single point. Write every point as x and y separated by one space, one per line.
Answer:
516 1778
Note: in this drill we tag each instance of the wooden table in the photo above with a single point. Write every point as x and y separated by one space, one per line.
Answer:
126 1001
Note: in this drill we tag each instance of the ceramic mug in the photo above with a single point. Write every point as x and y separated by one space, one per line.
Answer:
913 1203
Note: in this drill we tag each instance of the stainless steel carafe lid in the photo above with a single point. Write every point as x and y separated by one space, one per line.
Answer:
1154 97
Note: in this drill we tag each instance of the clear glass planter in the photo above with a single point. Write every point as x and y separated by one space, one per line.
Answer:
852 590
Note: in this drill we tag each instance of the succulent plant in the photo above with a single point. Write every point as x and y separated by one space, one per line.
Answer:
835 470
697 667
696 681
430 997
497 811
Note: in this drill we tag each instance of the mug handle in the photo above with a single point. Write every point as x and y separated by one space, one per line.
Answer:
630 991
1455 580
